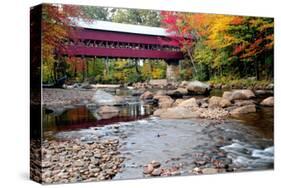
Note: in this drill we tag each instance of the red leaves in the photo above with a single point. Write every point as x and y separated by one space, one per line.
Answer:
76 63
238 49
56 26
237 20
178 27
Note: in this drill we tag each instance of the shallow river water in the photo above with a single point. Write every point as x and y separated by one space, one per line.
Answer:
247 140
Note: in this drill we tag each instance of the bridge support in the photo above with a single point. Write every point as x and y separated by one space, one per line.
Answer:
172 70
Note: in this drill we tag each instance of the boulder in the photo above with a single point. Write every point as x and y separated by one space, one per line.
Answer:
183 83
225 103
182 90
243 102
269 101
270 86
158 112
264 92
244 110
179 112
146 95
165 102
242 94
174 93
197 87
103 98
189 103
227 95
179 92
214 102
178 101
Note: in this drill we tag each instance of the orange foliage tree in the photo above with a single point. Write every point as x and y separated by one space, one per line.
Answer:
57 22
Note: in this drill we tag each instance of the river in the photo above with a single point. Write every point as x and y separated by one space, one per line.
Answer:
245 142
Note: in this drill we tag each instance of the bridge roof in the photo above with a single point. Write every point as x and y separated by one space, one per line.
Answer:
120 27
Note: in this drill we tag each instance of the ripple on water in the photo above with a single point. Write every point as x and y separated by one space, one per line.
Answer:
250 157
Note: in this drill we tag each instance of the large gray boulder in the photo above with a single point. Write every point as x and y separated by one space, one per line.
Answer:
242 94
197 87
103 98
269 101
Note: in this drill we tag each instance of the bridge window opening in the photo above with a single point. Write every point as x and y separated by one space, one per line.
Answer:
118 45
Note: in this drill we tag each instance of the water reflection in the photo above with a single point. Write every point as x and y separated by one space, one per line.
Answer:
82 117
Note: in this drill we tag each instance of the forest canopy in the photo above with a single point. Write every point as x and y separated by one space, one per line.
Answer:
216 47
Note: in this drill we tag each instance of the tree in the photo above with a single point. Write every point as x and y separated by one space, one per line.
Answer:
97 13
56 28
137 17
230 43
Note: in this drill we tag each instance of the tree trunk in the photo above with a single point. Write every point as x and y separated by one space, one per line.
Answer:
191 59
106 66
55 71
257 70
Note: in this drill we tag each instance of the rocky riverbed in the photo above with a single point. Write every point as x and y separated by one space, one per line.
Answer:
87 138
77 161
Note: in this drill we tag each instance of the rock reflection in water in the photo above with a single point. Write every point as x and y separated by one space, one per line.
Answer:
82 117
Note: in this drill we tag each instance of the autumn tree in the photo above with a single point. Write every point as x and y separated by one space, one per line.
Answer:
57 22
222 43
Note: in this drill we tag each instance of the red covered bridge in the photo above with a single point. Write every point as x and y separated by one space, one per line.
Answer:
115 40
